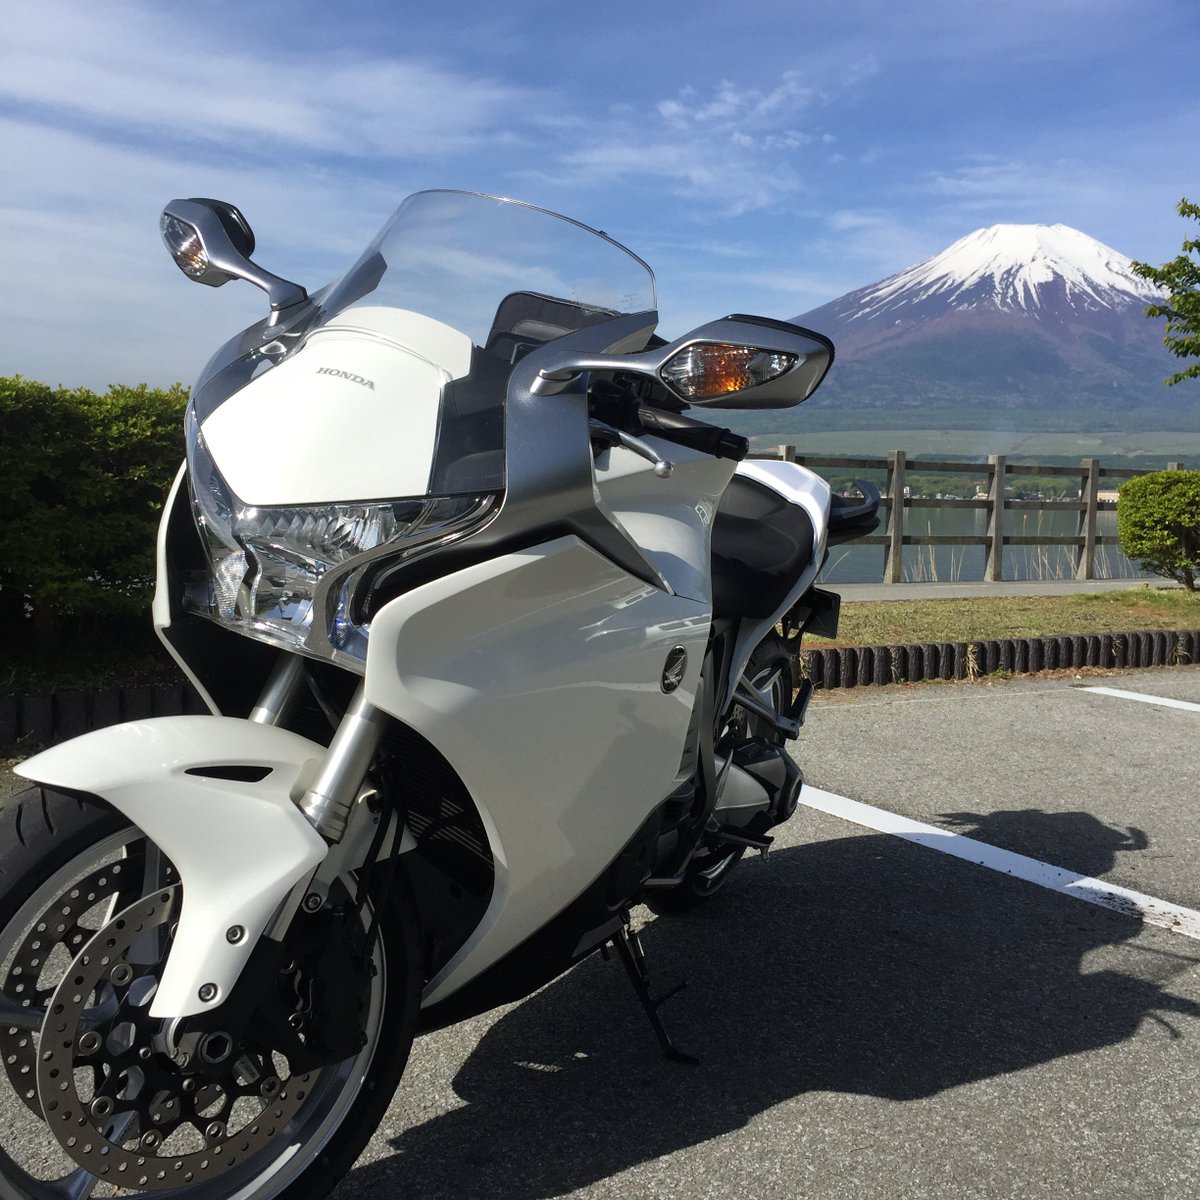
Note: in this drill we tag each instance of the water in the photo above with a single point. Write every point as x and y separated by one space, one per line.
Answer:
952 564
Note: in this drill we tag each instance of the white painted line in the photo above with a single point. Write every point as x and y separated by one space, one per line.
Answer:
1068 883
1163 700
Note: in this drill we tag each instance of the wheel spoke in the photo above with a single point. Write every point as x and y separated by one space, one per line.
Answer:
20 1016
77 1186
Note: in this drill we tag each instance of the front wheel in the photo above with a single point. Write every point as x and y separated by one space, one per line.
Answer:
96 1104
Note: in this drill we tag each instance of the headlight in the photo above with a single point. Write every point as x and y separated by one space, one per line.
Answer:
288 575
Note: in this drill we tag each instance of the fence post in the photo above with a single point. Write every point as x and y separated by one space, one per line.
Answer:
1085 555
787 453
1176 466
893 551
993 570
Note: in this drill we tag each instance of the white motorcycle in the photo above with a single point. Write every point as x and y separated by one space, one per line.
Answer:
497 643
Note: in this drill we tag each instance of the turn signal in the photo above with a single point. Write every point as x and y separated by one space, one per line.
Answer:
706 370
183 241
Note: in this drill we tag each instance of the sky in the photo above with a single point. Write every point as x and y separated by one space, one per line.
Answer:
763 157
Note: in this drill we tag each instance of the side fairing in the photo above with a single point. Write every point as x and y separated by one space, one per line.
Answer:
539 676
669 519
802 487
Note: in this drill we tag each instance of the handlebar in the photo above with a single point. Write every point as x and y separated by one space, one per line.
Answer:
695 435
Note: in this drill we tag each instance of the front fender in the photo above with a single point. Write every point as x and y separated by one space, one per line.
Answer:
239 843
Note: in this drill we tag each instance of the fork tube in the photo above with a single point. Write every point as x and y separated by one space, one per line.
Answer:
328 801
281 691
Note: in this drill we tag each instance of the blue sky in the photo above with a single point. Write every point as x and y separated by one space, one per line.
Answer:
763 157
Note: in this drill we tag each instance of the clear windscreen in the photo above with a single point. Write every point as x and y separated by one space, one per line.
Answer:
482 265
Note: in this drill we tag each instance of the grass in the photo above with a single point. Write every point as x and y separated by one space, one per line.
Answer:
891 622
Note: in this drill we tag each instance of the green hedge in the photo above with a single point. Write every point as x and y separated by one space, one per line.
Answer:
1158 523
83 478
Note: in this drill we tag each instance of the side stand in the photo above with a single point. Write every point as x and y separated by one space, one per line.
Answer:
629 950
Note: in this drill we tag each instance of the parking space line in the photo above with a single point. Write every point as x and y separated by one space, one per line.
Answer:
1187 705
1082 887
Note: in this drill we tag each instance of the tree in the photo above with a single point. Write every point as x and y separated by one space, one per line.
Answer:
1181 279
1158 523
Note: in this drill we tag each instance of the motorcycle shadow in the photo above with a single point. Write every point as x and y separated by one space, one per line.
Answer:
862 965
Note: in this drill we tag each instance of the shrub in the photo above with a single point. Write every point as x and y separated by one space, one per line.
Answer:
82 482
1158 523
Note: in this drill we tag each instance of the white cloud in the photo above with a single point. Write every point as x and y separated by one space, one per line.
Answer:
139 68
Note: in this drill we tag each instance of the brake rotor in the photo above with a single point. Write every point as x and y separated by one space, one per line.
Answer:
58 926
117 1103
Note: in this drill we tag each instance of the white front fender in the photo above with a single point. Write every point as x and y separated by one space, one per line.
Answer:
239 846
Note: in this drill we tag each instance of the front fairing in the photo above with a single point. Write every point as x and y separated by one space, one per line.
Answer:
371 424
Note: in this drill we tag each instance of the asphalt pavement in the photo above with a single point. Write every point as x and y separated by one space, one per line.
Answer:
876 1019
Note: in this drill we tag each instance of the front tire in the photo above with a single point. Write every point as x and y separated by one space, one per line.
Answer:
67 867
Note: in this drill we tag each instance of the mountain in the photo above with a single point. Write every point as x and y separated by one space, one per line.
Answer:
1034 325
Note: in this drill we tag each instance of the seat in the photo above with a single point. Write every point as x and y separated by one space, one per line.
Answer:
760 546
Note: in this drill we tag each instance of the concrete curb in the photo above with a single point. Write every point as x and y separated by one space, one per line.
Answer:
32 722
860 666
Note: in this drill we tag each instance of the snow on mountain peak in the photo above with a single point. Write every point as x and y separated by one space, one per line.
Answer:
1008 266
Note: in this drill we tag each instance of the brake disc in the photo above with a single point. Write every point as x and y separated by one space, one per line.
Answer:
57 931
117 1103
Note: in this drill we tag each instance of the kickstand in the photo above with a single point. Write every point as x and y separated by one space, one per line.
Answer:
629 950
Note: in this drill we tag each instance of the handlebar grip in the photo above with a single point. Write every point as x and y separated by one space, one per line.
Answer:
696 435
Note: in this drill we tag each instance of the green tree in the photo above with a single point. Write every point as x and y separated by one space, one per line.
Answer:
1158 524
1181 279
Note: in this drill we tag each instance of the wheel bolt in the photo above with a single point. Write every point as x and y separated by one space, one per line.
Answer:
144 1053
121 975
215 1131
90 1042
102 1107
269 1087
151 1140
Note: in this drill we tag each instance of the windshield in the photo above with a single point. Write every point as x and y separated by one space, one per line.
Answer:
506 274
490 267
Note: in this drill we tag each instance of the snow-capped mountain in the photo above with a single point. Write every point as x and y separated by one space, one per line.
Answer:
1013 268
1013 315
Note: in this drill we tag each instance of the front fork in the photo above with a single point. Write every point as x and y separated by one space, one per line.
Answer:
334 798
328 798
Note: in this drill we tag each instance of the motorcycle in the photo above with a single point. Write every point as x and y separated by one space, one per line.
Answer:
497 643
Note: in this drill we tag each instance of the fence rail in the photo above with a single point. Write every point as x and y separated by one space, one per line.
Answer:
897 500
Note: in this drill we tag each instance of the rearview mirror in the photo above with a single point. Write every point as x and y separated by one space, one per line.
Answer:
211 242
738 362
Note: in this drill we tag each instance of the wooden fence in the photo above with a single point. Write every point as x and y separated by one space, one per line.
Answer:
897 503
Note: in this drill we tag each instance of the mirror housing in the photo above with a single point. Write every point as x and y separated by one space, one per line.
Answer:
211 242
737 362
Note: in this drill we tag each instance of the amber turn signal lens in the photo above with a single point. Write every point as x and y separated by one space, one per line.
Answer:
707 370
183 241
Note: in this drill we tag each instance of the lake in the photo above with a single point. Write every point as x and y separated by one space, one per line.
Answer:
952 564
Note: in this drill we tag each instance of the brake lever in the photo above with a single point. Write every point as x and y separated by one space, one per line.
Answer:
618 437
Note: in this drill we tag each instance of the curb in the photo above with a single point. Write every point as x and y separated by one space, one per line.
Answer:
861 666
40 721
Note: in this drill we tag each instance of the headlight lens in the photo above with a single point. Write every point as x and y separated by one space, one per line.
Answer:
288 575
